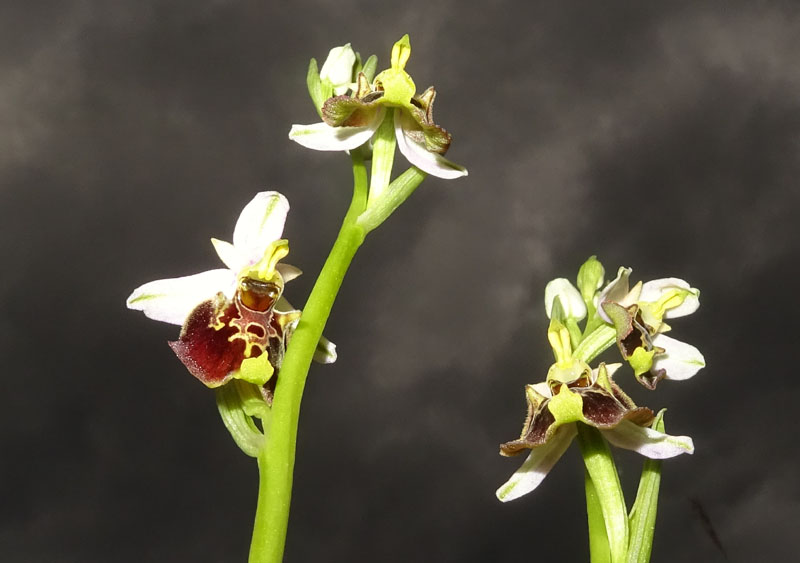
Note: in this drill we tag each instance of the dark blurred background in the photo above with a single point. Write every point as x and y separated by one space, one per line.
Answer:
664 136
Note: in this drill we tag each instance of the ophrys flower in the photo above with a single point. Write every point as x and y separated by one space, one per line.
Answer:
235 321
349 121
638 315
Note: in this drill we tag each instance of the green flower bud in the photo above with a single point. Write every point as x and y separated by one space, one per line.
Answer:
590 278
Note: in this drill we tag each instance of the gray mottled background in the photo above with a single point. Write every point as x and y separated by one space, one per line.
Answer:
663 136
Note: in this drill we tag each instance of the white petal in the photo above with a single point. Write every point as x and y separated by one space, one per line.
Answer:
570 297
325 352
539 463
260 223
172 300
323 137
679 360
611 369
543 388
427 161
653 290
228 254
615 291
283 305
648 442
288 272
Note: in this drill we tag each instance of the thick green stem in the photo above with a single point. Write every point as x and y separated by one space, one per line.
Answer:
599 551
276 460
603 474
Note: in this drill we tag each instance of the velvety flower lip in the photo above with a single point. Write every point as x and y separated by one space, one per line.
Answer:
349 121
235 321
555 407
638 314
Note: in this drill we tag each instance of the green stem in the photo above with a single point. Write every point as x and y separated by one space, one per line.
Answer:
276 460
395 194
383 148
595 343
600 467
645 507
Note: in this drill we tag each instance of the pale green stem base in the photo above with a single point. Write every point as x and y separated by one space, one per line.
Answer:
598 539
606 494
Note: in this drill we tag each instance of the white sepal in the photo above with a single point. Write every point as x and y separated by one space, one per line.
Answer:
323 137
427 161
171 300
648 442
653 290
615 291
260 224
539 463
680 360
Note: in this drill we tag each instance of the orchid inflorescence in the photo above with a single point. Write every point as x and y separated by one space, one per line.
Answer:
577 400
239 335
236 323
574 393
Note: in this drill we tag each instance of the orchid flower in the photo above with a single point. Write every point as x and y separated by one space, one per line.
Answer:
236 323
350 121
574 394
638 316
